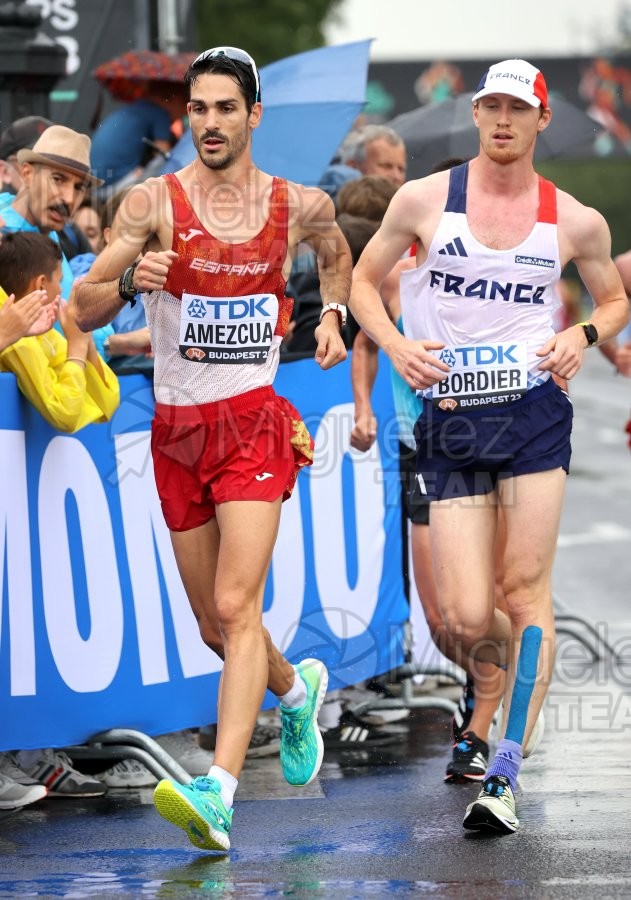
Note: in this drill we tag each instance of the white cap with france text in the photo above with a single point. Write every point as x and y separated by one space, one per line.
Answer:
517 78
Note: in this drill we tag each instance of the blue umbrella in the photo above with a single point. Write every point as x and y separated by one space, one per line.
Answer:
310 102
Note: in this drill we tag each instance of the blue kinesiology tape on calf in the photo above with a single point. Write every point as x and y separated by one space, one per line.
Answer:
524 683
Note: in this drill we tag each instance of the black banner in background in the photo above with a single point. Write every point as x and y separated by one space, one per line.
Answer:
599 85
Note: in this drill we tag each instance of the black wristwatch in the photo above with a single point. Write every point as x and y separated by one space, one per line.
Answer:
126 289
590 333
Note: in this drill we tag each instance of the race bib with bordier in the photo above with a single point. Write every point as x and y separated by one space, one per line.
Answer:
227 329
482 375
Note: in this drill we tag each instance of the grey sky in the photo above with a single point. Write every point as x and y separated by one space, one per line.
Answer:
431 29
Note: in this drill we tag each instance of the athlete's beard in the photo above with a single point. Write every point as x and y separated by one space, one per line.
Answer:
234 148
504 155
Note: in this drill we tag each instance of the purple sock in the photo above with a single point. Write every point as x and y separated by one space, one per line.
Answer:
507 761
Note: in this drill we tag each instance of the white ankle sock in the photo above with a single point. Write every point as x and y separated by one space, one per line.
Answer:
296 696
228 784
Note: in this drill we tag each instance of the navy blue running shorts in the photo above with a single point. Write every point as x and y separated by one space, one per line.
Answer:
465 454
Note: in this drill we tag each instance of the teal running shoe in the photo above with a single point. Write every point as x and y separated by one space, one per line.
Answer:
198 809
301 746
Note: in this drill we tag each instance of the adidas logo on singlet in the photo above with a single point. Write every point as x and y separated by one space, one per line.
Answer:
453 248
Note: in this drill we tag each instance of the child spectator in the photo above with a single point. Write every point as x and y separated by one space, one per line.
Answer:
63 377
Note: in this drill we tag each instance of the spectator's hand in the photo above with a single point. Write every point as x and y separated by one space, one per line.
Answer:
364 431
131 343
416 365
26 317
78 341
330 350
153 269
622 359
564 352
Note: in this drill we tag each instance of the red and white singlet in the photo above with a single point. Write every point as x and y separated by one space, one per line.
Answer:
217 325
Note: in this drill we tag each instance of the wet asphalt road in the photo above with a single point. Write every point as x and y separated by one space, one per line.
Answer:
387 824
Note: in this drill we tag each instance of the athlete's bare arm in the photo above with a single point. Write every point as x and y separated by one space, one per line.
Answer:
315 225
140 218
365 361
403 224
364 367
584 238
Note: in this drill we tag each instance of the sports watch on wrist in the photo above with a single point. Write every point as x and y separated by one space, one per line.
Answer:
339 308
590 333
126 289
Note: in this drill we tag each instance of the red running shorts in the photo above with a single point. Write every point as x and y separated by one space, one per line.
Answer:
248 447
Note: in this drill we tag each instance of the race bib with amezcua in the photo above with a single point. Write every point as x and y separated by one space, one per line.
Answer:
227 329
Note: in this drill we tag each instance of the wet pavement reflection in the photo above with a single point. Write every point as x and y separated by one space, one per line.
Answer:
377 823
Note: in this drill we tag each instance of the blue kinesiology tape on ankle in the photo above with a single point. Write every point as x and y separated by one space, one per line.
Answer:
524 683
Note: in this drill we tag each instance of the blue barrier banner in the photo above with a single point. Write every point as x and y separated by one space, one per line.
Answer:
95 628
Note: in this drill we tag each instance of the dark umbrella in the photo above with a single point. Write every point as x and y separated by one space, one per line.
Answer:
439 130
127 76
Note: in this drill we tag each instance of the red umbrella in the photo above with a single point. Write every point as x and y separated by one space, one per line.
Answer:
127 76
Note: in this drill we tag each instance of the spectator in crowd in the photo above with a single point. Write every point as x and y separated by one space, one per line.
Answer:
128 349
376 150
21 133
128 137
364 199
88 219
56 176
64 378
367 197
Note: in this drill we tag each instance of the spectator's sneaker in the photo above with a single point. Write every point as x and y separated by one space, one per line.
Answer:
301 747
184 748
535 736
464 711
14 795
358 701
10 768
470 759
265 741
198 809
494 810
351 733
54 769
128 773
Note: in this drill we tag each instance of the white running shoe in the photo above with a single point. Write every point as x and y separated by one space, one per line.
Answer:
494 810
183 747
128 773
14 795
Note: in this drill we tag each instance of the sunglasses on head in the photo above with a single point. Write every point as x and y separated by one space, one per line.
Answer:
237 55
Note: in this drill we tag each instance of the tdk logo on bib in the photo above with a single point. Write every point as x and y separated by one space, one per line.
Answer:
242 308
498 354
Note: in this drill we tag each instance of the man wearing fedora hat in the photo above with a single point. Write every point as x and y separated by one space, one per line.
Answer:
56 176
